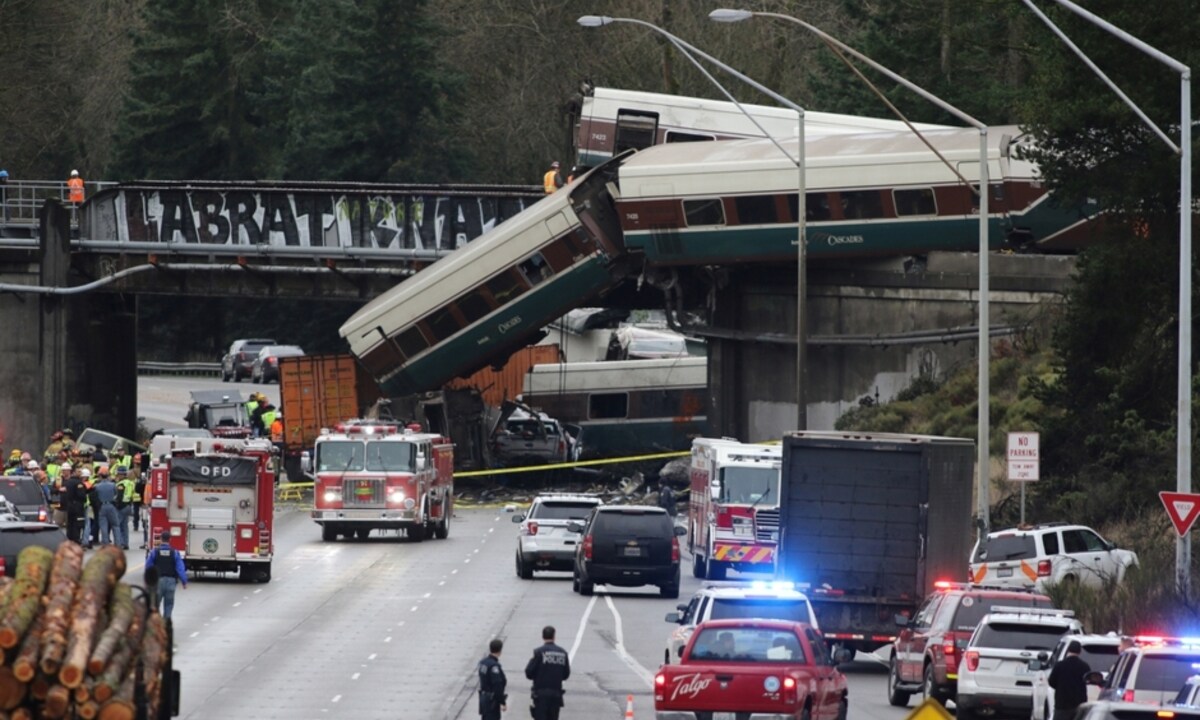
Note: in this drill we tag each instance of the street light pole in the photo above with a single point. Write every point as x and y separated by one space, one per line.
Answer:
690 52
984 418
1183 409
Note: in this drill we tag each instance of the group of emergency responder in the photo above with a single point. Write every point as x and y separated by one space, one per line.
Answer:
92 497
265 419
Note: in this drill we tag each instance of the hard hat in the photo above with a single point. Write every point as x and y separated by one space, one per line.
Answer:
66 466
3 173
15 454
32 465
554 164
74 173
68 431
85 473
103 470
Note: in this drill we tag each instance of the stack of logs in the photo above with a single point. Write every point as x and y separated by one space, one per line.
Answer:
74 640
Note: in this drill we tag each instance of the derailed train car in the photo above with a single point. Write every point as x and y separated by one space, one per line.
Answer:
712 203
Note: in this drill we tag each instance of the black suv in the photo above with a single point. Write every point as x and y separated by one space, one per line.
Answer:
628 546
26 493
16 535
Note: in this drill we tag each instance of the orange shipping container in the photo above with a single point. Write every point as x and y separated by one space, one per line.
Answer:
496 386
318 391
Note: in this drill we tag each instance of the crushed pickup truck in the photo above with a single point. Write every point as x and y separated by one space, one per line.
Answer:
759 668
525 436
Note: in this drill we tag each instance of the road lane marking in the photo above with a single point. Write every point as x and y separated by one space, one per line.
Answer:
215 619
336 698
475 551
442 583
454 571
388 638
195 633
355 676
467 560
238 603
413 609
372 656
258 591
428 594
582 626
643 673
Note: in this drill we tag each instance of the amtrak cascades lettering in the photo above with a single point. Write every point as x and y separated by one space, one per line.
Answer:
841 239
298 219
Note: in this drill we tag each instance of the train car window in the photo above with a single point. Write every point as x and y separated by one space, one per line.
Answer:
443 323
666 403
635 129
704 212
559 255
505 288
917 201
474 306
535 269
577 244
816 206
861 205
674 136
382 359
756 209
411 341
608 406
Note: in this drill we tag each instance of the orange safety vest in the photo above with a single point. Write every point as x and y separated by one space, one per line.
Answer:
76 189
550 180
277 431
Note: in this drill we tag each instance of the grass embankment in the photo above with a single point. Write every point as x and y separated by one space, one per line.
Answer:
1147 602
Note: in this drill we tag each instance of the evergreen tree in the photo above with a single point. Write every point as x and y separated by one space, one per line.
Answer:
186 114
361 85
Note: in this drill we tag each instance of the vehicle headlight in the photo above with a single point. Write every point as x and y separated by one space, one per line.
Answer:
332 496
396 496
743 526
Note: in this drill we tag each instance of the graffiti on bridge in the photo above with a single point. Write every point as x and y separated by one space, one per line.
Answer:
297 218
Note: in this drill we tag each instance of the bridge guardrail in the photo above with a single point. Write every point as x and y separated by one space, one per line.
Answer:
188 368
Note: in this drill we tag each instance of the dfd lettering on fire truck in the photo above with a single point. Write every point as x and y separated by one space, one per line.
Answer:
381 475
733 514
216 498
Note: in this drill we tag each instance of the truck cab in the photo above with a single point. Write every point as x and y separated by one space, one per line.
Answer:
767 668
733 512
381 475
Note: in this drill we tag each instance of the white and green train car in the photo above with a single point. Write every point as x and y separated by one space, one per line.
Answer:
625 407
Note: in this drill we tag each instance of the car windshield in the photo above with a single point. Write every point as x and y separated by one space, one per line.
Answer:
1007 547
738 644
1164 672
21 491
97 439
1099 657
748 485
634 524
1017 636
972 609
226 415
340 456
769 608
557 510
391 456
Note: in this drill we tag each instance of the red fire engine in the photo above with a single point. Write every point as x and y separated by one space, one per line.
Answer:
216 496
733 515
377 474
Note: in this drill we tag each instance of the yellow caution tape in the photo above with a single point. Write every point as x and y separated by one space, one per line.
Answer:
580 463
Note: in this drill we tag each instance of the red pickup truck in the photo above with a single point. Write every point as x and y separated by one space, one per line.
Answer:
760 669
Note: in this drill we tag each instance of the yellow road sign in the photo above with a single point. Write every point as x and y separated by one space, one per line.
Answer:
929 710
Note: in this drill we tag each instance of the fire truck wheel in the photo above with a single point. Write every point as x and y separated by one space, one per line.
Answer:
714 570
442 530
363 534
698 567
328 534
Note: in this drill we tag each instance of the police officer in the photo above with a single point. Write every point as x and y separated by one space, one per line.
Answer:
492 683
548 668
171 572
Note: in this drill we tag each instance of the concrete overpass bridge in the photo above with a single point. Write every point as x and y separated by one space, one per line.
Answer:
70 276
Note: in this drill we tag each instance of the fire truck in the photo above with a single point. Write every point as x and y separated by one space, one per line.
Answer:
216 496
381 475
733 514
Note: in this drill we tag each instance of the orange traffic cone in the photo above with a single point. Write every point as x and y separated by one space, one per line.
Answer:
628 707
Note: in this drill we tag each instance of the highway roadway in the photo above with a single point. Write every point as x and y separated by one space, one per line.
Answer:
384 628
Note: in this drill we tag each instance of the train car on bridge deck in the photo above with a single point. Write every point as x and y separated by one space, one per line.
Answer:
492 297
867 194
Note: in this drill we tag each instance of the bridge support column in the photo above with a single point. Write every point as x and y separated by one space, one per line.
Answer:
71 360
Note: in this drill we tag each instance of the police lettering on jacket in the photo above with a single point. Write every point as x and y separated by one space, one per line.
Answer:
548 668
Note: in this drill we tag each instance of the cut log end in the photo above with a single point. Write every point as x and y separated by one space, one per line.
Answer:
12 690
70 676
57 702
117 710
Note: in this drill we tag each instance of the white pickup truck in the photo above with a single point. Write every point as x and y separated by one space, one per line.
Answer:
530 438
